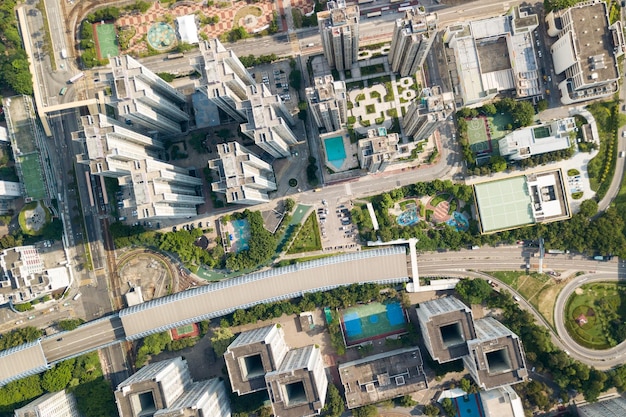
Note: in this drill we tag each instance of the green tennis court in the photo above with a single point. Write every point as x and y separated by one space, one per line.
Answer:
32 175
504 204
478 136
106 40
372 321
185 329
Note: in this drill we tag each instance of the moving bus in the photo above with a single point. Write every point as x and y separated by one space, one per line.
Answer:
175 56
374 14
76 77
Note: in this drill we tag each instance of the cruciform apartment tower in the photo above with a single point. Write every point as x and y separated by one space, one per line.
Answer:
339 28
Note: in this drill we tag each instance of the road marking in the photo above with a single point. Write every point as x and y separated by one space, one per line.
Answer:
348 189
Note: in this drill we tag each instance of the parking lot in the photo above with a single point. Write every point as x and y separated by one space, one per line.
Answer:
276 79
336 227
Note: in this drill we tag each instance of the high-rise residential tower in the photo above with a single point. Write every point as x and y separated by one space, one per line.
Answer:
243 177
142 98
424 113
339 28
412 38
225 79
328 103
268 121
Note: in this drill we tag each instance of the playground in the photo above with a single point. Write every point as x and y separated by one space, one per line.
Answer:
409 216
161 36
106 40
372 321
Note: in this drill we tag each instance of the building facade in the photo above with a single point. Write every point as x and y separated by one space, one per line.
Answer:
143 99
339 29
411 40
328 103
243 177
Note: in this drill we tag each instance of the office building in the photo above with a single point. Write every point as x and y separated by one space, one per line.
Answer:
268 121
339 29
446 325
298 387
378 150
157 190
411 40
225 80
586 51
424 113
495 55
328 103
109 146
253 354
535 140
241 176
382 377
52 404
611 407
143 99
166 389
496 356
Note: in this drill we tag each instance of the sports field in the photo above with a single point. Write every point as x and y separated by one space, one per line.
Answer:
187 330
32 175
106 41
503 204
372 321
478 135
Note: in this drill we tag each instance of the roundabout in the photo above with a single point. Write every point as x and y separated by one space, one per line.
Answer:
601 359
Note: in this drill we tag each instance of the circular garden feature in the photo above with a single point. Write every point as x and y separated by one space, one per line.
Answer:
293 182
595 314
161 36
33 218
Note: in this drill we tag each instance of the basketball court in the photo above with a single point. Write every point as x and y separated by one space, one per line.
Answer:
372 321
188 330
106 41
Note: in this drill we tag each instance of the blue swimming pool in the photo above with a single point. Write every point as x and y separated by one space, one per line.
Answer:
459 222
335 152
242 234
468 406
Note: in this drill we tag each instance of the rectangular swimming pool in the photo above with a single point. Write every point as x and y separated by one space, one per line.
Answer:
335 152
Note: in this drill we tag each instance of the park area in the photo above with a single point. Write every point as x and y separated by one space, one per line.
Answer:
595 315
483 133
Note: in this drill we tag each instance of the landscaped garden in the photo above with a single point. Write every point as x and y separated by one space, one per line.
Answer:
308 237
595 315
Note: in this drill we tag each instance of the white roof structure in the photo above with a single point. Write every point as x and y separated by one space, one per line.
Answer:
4 134
10 190
501 402
187 29
535 140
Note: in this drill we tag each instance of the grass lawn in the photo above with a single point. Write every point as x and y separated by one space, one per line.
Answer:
370 109
601 303
540 290
308 238
439 198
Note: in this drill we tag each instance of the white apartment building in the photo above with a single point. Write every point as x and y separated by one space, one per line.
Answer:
142 98
424 113
242 176
327 100
339 29
52 404
412 38
268 122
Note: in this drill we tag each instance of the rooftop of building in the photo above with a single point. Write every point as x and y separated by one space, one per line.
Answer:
383 376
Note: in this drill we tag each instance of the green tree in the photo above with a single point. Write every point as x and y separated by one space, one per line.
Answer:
95 399
221 339
289 204
474 291
70 324
448 407
57 378
466 385
489 109
542 105
498 163
407 401
365 411
431 410
588 208
334 406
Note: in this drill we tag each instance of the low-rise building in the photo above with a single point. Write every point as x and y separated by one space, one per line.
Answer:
535 140
383 376
502 402
608 407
